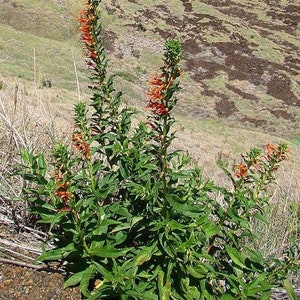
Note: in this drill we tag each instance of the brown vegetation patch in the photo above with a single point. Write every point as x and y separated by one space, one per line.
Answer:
187 5
289 16
218 3
246 67
281 113
254 122
109 40
292 63
165 34
241 93
279 87
225 108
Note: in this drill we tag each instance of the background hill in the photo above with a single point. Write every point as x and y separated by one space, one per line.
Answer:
241 60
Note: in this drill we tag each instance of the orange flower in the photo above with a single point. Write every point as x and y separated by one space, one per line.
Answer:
156 80
63 191
156 93
270 149
158 108
64 195
86 19
241 171
81 145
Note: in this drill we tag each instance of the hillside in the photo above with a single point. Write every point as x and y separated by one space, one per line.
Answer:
241 59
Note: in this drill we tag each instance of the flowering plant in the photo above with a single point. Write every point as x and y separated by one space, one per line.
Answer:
126 214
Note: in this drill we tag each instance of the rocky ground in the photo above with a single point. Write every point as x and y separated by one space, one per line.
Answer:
20 278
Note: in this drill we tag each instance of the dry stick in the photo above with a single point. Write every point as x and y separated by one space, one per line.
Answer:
9 124
32 114
34 68
76 75
21 264
15 245
37 233
32 266
15 254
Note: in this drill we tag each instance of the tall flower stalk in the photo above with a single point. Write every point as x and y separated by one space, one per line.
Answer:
161 102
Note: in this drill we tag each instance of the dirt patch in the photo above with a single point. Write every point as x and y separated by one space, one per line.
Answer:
109 40
19 283
187 5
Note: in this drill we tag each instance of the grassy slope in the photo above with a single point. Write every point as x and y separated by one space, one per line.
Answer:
49 29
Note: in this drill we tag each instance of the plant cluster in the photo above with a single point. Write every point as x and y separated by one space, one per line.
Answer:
129 217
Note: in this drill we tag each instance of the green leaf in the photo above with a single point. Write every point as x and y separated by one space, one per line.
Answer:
74 279
196 273
87 275
56 218
210 229
144 255
289 289
173 224
258 285
164 285
255 255
261 217
57 254
120 228
227 297
108 276
236 256
108 251
123 172
191 211
135 220
183 247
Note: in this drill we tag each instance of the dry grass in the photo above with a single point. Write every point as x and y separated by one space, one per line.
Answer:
206 141
29 118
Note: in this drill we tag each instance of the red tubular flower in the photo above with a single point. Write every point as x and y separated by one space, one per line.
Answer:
62 191
81 145
64 195
156 80
86 19
157 108
241 171
277 153
270 149
155 95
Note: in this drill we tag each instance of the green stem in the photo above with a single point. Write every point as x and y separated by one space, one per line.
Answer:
164 148
91 176
78 229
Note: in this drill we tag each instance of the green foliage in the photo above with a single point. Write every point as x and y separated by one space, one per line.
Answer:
130 218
